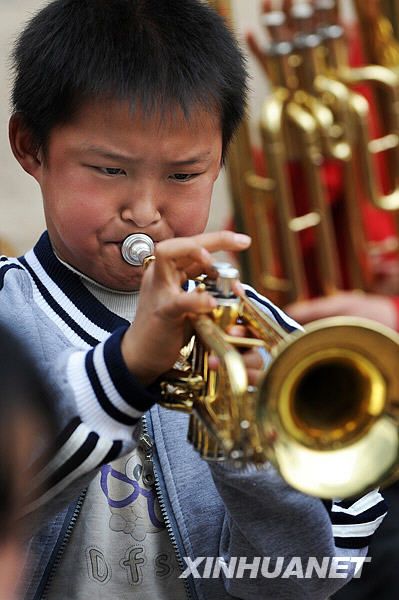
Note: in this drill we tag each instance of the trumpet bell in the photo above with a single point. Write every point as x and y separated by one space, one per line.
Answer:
327 407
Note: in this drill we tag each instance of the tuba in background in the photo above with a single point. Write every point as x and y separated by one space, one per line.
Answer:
316 126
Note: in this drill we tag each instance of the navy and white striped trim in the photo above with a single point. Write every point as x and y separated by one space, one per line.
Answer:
110 398
65 320
82 453
355 521
6 265
100 379
272 310
66 288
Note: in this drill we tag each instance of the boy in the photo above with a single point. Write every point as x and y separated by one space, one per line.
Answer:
123 111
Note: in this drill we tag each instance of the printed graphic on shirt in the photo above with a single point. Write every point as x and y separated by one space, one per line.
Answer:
98 568
120 543
133 505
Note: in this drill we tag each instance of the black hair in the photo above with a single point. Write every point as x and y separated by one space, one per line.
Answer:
157 54
24 398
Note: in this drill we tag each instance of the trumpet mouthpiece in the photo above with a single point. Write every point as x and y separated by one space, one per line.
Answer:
136 248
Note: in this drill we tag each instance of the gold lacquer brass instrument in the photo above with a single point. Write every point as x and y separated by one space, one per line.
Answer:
340 130
315 116
325 412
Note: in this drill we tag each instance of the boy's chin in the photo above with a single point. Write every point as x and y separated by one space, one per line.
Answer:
121 282
126 285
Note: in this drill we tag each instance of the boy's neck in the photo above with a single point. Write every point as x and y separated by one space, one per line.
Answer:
124 304
87 279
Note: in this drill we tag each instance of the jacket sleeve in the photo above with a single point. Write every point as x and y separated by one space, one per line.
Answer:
99 402
297 546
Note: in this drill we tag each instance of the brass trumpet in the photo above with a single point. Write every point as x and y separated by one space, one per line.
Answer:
325 412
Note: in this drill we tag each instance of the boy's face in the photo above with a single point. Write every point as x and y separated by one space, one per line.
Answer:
109 173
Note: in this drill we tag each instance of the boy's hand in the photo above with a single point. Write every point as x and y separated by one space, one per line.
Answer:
252 358
151 345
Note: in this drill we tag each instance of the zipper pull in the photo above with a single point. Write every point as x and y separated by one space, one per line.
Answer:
146 447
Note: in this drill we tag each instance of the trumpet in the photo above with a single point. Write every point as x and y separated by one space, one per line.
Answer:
325 411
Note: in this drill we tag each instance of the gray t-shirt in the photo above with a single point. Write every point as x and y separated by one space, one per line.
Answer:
120 547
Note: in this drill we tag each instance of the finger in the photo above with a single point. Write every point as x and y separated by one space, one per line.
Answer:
237 330
196 270
238 289
266 6
253 376
223 240
287 8
180 253
213 362
253 360
212 242
320 308
187 303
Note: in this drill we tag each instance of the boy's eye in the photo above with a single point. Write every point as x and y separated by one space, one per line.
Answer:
112 171
182 176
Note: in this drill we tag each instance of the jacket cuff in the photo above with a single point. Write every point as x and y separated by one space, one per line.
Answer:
110 399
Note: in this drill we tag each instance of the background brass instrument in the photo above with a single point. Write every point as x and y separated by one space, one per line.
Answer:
328 399
315 114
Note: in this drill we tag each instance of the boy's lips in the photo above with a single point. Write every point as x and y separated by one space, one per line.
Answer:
120 242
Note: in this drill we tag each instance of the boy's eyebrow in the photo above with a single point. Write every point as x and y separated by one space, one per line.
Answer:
190 161
107 153
125 158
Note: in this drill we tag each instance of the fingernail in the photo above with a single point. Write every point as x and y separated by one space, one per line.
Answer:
241 239
207 257
212 302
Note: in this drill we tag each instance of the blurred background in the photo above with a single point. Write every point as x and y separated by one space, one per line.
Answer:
21 218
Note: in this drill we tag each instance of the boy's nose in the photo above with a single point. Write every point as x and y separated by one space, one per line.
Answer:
141 212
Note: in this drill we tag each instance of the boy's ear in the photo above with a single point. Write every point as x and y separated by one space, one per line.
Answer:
23 147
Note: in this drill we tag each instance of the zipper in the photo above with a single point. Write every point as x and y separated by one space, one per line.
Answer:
148 444
150 478
64 543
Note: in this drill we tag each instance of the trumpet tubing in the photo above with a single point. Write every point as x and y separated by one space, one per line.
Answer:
326 395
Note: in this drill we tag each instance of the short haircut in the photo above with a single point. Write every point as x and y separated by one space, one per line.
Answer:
157 54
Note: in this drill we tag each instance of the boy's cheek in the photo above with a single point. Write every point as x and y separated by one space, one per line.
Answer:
192 217
193 226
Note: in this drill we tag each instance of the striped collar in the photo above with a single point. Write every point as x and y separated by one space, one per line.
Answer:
82 318
62 295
